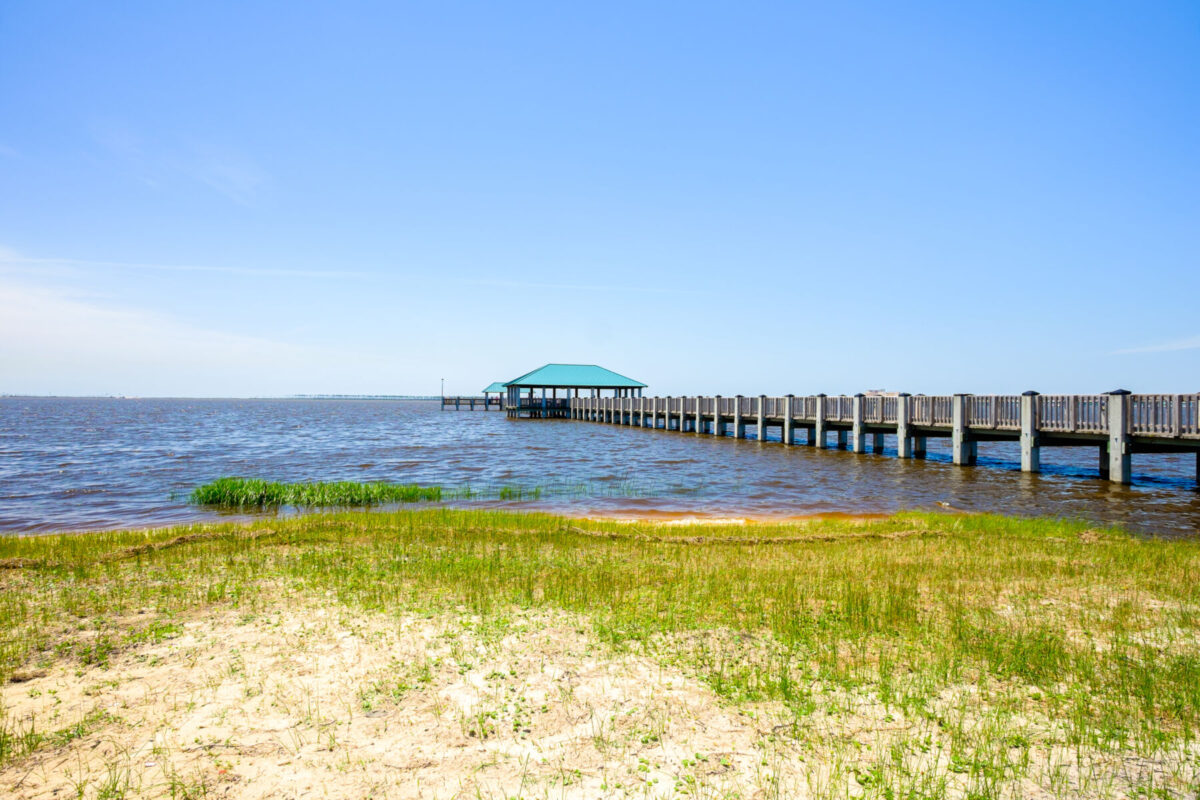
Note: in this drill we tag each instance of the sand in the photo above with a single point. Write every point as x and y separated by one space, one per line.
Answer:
317 701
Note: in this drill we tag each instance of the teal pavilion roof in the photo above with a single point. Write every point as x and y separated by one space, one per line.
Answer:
498 386
575 376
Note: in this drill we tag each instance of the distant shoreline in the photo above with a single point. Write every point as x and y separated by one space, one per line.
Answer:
410 397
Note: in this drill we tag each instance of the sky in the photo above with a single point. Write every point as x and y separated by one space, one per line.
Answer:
253 199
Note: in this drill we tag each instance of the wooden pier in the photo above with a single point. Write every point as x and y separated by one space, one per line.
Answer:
469 403
1117 425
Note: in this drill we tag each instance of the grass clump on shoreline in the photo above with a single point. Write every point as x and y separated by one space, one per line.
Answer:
918 655
249 492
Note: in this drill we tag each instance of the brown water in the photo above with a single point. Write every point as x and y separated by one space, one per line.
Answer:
88 464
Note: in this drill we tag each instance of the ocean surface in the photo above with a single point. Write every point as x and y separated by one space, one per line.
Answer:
92 464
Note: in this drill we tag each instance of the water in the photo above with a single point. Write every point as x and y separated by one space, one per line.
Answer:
88 464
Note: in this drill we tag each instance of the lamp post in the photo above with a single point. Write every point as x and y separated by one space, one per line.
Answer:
443 394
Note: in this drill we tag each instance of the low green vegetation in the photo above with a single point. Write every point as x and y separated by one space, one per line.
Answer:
249 492
232 492
1019 653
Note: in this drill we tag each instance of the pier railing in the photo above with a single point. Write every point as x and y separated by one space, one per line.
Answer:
1154 415
1119 423
1175 415
1000 412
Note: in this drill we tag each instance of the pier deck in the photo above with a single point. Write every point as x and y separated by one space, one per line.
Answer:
1118 424
469 403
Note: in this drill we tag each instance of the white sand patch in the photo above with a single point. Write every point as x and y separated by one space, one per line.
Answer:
312 702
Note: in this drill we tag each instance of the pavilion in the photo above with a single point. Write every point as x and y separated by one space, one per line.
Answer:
495 388
527 395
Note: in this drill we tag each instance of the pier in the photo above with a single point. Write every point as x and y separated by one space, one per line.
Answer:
1117 424
469 403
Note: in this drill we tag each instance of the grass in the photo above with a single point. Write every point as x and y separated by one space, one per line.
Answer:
249 492
233 492
1000 643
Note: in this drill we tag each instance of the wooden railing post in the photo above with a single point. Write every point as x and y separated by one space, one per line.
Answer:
858 432
789 434
699 421
961 446
819 423
718 426
762 417
1031 451
903 440
1120 460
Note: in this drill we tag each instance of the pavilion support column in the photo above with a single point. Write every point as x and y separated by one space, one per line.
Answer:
762 417
739 430
1031 451
699 423
903 442
962 451
819 423
860 436
789 430
718 428
1120 459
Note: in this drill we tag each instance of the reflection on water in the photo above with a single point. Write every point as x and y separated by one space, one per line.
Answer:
99 463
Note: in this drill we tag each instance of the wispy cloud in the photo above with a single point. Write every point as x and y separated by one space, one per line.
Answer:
1188 343
231 174
223 169
572 287
11 259
62 341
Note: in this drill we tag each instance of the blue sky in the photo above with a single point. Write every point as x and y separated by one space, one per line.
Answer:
266 199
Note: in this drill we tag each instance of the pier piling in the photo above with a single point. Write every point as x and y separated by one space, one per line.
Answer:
819 424
903 442
789 434
1119 461
1031 452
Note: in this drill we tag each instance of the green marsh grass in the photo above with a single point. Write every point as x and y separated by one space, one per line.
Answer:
965 626
234 492
248 492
